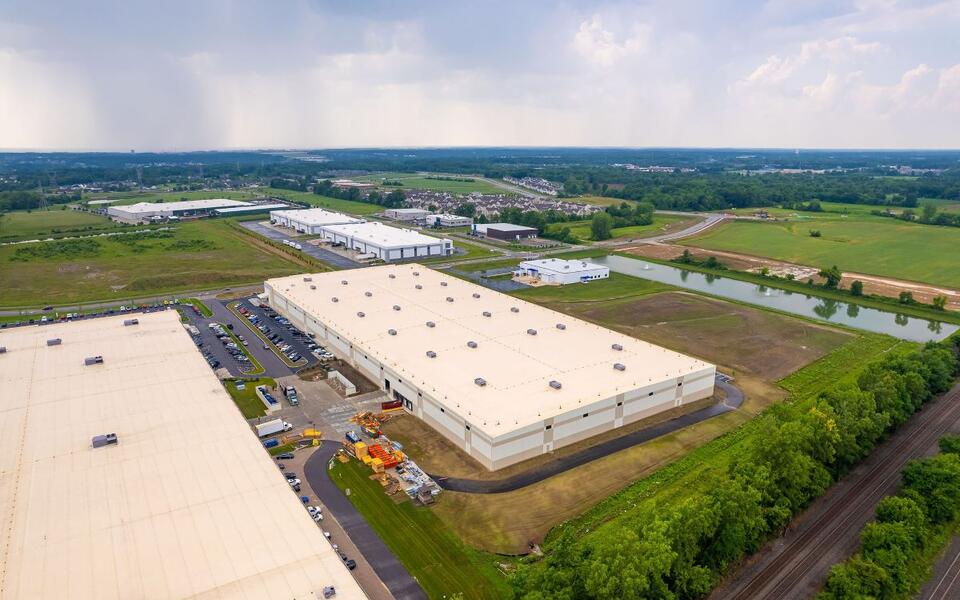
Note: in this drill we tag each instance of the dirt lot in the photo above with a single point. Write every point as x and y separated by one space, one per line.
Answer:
363 384
872 284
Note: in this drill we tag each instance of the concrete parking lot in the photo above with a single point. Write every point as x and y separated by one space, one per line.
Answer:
337 260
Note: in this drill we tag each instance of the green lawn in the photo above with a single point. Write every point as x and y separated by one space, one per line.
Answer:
246 399
165 196
440 562
203 308
581 229
57 222
335 204
205 254
865 244
413 181
472 251
617 287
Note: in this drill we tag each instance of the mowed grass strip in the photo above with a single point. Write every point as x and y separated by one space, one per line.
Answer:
858 243
56 222
246 399
198 255
440 562
581 229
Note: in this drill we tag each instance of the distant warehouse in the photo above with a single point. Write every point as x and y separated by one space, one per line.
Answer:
152 211
405 214
555 271
503 379
505 231
251 209
385 242
310 220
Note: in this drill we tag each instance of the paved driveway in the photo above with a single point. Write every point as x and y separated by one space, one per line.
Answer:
332 258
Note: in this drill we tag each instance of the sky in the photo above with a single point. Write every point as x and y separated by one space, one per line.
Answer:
212 74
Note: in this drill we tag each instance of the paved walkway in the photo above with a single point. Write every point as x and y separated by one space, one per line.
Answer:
733 400
385 563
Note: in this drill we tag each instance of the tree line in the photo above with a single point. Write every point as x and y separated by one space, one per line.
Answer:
896 548
680 551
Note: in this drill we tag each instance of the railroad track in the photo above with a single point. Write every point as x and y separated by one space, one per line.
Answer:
802 557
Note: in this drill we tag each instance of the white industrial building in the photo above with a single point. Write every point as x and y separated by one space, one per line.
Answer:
503 379
385 242
146 211
405 214
447 220
310 220
186 504
555 271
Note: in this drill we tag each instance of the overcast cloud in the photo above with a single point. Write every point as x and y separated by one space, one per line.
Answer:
179 75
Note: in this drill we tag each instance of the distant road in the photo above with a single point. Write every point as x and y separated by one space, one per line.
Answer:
796 565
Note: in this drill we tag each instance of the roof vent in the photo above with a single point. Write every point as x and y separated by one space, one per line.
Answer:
443 283
418 286
93 360
368 294
561 326
308 278
392 331
476 295
532 332
335 299
99 441
361 314
54 342
480 381
431 354
555 384
3 349
343 281
471 344
129 322
416 273
619 366
431 324
396 307
313 287
514 309
617 347
486 313
392 276
449 299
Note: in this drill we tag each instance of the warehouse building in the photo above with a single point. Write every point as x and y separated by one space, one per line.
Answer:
152 211
252 209
310 220
185 504
405 214
555 271
385 242
503 379
447 220
505 231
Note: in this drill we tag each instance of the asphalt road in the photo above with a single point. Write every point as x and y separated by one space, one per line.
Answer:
733 400
945 582
385 563
337 260
795 565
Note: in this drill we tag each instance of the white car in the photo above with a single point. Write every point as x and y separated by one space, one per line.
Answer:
293 482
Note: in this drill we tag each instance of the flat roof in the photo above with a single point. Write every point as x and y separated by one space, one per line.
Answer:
558 265
383 236
187 504
408 210
319 216
508 227
518 367
240 209
144 207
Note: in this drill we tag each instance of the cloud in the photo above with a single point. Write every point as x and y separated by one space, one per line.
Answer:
601 47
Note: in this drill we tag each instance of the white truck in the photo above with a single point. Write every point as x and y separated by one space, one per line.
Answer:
272 427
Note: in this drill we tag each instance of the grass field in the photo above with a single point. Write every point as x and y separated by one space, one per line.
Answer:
246 399
335 204
122 198
442 564
197 255
859 243
42 224
661 223
473 251
412 181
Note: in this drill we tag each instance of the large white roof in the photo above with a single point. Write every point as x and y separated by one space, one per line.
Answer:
318 216
558 265
187 504
383 236
149 207
518 367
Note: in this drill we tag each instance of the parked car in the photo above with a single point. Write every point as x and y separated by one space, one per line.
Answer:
285 456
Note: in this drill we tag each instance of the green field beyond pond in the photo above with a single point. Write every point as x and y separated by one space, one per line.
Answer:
858 242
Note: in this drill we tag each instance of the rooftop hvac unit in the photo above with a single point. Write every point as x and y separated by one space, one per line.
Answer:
486 313
93 360
443 283
392 276
54 342
416 273
343 281
449 299
100 441
368 294
514 309
431 324
392 331
418 286
129 322
335 299
361 314
308 279
471 344
313 287
396 307
555 384
619 366
3 349
617 347
531 332
561 326
476 295
431 354
480 381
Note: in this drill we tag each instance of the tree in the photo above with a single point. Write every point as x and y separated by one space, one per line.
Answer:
601 226
927 213
628 565
467 209
936 481
906 297
832 276
856 288
950 444
815 233
939 302
856 578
